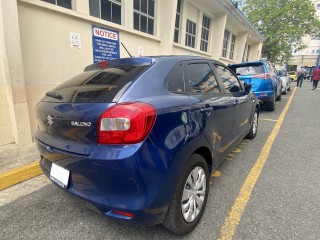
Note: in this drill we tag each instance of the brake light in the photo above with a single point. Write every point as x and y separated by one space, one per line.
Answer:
103 64
126 123
262 76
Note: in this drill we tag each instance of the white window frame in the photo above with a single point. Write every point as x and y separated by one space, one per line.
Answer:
233 41
205 28
112 2
191 34
56 3
178 29
225 45
148 17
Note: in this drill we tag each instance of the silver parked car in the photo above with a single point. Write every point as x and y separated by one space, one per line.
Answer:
286 80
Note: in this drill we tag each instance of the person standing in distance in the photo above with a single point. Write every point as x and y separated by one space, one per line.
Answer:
300 76
316 78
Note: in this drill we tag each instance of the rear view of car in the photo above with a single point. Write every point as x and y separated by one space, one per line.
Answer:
137 138
286 81
264 80
293 75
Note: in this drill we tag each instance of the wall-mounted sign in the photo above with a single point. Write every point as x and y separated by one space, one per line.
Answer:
105 44
75 40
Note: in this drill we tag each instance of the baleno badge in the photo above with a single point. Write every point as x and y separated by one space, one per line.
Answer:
81 124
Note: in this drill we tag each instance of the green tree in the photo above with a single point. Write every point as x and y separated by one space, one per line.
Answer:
284 23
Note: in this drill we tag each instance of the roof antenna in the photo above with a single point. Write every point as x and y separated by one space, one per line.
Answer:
126 49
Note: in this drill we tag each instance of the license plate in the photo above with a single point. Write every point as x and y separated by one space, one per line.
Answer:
59 175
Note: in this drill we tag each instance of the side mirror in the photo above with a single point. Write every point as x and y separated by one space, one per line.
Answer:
247 88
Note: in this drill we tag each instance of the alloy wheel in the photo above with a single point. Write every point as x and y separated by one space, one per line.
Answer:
193 194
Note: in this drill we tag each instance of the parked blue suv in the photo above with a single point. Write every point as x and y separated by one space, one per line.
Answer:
262 75
137 138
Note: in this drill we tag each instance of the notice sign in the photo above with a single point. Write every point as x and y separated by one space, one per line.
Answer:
105 44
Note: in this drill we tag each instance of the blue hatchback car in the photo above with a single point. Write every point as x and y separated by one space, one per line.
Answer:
262 75
137 138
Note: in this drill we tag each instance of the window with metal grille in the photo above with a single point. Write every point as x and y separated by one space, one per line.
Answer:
109 10
191 34
232 46
177 24
143 19
206 21
61 3
225 43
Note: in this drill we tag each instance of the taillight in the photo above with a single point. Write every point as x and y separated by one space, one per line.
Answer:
262 76
126 123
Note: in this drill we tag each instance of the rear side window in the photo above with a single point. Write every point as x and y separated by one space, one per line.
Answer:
202 79
97 86
176 81
248 70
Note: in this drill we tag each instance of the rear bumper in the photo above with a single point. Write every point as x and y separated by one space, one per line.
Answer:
265 97
128 185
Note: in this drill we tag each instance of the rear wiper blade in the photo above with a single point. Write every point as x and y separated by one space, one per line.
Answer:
54 95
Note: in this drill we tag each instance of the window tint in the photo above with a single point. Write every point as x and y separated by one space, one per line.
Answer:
202 79
230 81
97 86
176 81
248 70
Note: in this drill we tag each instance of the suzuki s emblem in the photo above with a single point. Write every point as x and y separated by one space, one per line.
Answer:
50 118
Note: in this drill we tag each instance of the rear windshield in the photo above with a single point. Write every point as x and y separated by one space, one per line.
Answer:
248 70
96 86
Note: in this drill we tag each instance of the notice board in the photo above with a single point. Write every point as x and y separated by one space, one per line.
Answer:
105 44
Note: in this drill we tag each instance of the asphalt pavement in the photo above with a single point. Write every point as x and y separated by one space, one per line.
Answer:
284 203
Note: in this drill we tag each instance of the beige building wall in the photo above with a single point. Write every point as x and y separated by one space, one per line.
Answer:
46 58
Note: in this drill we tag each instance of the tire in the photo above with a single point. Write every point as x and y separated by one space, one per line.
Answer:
177 218
254 126
272 105
279 97
289 89
285 92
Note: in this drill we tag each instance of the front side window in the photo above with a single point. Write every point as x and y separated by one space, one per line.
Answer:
191 34
202 79
61 3
144 17
177 23
231 82
225 43
205 33
109 10
232 46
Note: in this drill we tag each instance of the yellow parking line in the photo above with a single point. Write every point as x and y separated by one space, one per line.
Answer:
268 119
216 173
229 227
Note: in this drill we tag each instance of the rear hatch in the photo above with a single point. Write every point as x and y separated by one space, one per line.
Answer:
67 116
252 73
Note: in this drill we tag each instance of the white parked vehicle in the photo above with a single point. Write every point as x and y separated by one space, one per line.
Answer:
285 79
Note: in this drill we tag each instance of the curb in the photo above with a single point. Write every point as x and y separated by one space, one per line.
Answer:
19 175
